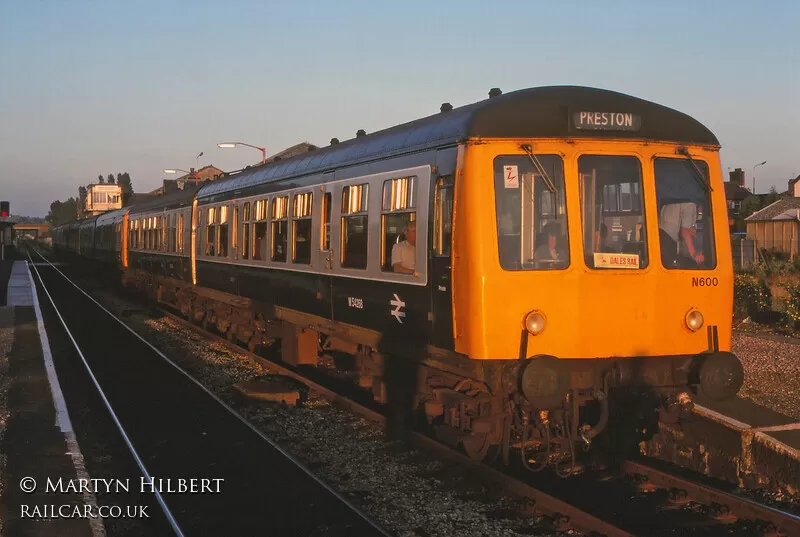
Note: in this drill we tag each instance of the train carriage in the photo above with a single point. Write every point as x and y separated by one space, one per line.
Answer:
572 250
110 237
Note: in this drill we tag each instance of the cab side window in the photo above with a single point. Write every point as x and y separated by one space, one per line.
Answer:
443 217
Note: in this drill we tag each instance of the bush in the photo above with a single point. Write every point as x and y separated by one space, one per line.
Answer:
792 304
751 297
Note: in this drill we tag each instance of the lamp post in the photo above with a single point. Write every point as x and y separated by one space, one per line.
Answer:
193 173
754 175
234 144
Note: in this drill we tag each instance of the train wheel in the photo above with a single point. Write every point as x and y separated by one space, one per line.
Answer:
230 335
479 448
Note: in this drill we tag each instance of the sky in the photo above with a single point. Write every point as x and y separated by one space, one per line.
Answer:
92 87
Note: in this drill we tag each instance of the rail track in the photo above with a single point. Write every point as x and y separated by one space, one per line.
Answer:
638 499
176 429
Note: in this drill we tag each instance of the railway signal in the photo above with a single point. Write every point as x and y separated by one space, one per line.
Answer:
5 209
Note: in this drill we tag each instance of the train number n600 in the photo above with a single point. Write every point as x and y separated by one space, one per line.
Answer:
705 282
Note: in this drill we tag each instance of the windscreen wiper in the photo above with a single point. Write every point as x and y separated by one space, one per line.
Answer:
539 168
699 176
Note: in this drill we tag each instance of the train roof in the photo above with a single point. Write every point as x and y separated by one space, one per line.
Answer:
543 112
87 222
174 200
112 217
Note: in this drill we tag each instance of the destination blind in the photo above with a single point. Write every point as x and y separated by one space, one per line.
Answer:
606 121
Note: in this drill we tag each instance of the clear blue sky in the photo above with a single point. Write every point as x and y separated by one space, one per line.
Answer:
91 87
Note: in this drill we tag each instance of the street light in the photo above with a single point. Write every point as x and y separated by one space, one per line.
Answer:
234 144
192 173
754 175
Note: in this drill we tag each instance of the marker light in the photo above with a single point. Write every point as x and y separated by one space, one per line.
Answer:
694 320
535 322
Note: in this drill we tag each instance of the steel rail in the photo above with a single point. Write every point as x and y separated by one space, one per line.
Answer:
561 514
783 523
170 518
227 407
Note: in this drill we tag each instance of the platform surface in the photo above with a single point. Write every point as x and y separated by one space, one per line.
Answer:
19 286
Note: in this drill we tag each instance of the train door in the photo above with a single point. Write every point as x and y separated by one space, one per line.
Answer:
441 264
326 252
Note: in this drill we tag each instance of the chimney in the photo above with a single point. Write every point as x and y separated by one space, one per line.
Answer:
737 177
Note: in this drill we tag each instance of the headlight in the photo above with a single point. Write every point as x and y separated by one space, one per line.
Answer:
535 322
694 320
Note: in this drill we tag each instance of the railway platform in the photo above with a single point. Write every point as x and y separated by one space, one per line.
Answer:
737 441
37 441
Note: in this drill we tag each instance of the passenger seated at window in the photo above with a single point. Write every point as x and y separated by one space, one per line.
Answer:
404 254
676 231
551 252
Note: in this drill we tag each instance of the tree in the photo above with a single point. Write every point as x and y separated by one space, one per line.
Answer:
124 180
771 197
62 212
82 192
110 179
100 179
750 205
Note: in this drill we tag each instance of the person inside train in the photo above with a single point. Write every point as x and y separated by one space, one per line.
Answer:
603 246
551 251
676 224
404 253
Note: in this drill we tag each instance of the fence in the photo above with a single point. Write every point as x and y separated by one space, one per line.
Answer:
748 252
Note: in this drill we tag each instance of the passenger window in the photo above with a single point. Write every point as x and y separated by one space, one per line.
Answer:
260 232
612 212
246 231
173 235
222 241
301 228
211 231
279 228
443 217
326 222
531 212
235 232
355 226
399 225
180 233
685 226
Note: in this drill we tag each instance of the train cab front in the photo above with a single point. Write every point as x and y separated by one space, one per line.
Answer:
595 268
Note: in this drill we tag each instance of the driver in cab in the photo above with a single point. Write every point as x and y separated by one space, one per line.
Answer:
551 253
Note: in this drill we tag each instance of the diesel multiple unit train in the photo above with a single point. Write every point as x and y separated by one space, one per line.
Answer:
551 259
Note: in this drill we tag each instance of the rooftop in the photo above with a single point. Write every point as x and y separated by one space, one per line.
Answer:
783 209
